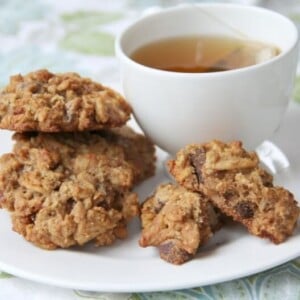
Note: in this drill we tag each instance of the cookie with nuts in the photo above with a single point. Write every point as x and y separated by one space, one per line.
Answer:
67 189
47 102
178 222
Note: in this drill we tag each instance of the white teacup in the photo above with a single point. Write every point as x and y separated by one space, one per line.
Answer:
247 104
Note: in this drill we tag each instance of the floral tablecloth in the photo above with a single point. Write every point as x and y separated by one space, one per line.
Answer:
79 36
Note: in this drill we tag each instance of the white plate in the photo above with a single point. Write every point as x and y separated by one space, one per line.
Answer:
125 267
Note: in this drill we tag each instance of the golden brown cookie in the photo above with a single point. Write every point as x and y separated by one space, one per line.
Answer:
235 183
47 102
139 150
66 189
177 221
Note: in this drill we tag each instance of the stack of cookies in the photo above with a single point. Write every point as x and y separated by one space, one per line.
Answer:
70 175
215 179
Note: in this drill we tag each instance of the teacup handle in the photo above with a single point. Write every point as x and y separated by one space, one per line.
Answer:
272 157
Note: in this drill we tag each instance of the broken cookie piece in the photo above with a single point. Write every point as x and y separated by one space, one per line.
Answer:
177 221
235 183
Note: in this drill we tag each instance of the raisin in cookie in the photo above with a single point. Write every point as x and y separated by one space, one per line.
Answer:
177 221
232 178
42 101
67 189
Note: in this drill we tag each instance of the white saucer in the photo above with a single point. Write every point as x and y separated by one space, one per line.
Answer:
125 267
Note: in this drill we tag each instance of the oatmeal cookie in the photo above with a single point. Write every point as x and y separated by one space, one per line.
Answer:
67 189
235 183
139 150
47 102
177 221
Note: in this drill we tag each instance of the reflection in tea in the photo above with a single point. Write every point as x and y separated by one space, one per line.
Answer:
200 54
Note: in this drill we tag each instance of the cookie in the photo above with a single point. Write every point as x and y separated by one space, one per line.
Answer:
233 180
68 189
177 221
47 102
139 150
61 223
